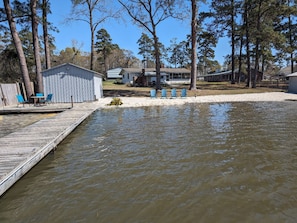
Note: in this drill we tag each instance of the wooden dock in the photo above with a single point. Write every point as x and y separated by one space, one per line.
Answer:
22 150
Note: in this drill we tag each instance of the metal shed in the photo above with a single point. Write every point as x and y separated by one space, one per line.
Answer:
68 81
292 83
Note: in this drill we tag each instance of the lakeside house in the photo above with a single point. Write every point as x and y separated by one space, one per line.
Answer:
72 83
227 76
286 72
147 76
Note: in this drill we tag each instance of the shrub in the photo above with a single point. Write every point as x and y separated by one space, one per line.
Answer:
116 101
118 81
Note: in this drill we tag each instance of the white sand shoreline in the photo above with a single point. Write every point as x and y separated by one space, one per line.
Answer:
250 97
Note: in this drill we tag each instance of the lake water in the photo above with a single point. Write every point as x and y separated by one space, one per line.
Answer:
227 162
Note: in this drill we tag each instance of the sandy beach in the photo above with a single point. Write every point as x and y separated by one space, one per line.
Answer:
9 124
147 101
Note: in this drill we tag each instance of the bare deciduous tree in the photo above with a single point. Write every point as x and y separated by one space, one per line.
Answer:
149 14
93 12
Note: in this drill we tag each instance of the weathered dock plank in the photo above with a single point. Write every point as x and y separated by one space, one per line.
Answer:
22 150
34 109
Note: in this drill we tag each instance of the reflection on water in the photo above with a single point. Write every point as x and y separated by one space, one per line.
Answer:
228 162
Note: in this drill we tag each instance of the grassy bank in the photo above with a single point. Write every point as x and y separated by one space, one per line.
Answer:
203 88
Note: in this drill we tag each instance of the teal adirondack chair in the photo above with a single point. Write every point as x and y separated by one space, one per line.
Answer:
48 99
164 93
183 93
21 100
173 93
153 93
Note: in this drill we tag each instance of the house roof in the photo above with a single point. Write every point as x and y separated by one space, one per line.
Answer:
151 70
73 65
114 73
115 70
228 72
287 70
219 73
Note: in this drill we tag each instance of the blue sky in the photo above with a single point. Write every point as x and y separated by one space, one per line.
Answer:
125 34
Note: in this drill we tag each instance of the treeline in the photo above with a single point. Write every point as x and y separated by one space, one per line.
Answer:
24 52
262 34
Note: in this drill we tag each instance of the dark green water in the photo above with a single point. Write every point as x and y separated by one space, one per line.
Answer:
228 162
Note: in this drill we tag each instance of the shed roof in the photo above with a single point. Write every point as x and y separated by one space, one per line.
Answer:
73 65
292 75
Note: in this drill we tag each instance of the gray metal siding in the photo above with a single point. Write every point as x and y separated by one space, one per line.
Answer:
98 87
292 84
67 81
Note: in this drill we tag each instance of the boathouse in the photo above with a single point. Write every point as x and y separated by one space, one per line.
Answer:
69 82
292 83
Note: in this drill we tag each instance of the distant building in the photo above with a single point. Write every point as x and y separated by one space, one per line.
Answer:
114 73
147 77
70 82
227 76
218 77
287 71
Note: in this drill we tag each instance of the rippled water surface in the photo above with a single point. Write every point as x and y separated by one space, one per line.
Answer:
228 162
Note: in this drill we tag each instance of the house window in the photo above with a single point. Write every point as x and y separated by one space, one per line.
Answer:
186 76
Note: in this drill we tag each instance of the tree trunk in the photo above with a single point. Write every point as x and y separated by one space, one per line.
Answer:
33 5
291 40
263 67
233 42
158 62
92 29
194 46
291 43
45 34
92 49
105 60
240 59
19 48
258 27
249 79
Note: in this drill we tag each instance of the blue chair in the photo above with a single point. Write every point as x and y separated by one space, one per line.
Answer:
48 99
21 100
164 93
39 94
183 93
153 93
173 93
